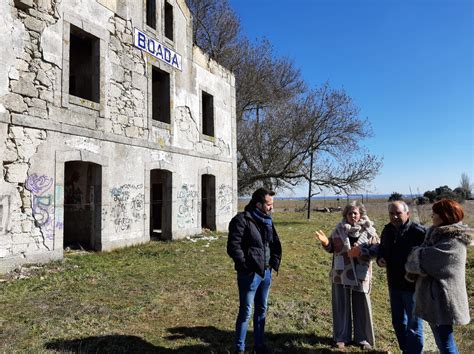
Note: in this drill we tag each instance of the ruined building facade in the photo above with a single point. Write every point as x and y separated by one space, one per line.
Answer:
114 128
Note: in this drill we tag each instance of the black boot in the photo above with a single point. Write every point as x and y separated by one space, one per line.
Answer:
262 350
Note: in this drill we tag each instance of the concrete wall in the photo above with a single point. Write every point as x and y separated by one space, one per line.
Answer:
43 126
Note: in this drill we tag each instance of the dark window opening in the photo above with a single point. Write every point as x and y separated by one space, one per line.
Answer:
151 13
168 21
207 114
208 202
84 65
160 96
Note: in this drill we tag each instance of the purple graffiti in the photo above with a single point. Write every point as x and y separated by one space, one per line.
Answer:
43 206
38 184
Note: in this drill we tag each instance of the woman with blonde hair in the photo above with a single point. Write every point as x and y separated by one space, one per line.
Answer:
439 268
353 243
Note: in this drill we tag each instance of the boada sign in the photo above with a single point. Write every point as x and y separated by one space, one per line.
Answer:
156 49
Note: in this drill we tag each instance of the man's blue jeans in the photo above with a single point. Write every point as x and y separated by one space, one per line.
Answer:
408 327
444 337
253 289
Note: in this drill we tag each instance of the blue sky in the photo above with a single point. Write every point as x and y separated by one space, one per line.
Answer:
408 65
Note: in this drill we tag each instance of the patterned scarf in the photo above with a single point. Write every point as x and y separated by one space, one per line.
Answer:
264 220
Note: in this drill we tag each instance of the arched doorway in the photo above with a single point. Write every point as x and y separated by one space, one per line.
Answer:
160 204
208 202
82 205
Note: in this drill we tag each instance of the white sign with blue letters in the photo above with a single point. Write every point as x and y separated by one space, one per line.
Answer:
156 49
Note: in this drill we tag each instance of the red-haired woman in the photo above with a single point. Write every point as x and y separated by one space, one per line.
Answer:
439 266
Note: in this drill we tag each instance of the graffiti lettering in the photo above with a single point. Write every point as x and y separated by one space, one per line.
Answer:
224 199
43 206
126 209
187 205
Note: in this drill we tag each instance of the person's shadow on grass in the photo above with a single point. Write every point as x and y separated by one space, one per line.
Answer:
211 340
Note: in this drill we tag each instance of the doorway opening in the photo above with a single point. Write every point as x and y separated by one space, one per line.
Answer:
160 204
82 205
208 202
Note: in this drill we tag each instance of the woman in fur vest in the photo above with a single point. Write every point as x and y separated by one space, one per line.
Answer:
353 243
439 267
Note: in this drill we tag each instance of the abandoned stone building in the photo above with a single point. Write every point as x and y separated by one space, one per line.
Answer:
114 128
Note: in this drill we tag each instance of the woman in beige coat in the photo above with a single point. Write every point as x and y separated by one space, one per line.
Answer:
353 243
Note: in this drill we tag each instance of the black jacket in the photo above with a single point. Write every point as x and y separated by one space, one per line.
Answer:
395 246
245 245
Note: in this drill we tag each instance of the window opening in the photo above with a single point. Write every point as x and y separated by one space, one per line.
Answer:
160 96
168 21
151 13
207 114
84 65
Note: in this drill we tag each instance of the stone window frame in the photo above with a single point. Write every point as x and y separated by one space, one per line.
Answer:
72 102
209 91
152 62
159 32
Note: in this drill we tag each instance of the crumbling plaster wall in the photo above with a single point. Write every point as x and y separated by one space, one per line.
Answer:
22 77
39 130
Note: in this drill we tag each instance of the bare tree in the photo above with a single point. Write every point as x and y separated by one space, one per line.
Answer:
262 79
216 30
465 186
465 182
274 150
280 124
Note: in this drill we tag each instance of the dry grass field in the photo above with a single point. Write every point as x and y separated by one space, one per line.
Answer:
376 208
181 297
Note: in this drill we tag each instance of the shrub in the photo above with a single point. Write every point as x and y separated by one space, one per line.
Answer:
395 196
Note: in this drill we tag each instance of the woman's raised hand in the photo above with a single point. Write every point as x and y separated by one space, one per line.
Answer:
321 237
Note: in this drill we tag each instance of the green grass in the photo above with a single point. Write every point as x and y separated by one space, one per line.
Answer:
181 297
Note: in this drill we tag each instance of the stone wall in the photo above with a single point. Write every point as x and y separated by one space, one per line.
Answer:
43 127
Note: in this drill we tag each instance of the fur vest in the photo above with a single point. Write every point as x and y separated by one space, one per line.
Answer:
353 272
440 266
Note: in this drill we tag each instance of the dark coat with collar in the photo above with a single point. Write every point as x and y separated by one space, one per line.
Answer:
395 246
245 245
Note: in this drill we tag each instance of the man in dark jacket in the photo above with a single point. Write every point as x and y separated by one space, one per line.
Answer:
254 246
397 240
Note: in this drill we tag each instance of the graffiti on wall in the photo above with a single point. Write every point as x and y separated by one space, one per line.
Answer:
187 199
161 156
224 199
42 203
128 206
